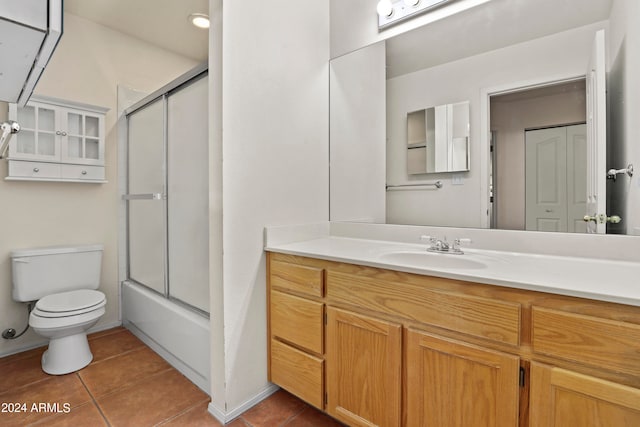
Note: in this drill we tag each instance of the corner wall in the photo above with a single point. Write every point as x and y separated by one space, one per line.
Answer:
88 64
624 110
275 99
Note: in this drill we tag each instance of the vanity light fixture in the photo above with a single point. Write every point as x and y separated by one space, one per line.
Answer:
200 20
385 8
391 12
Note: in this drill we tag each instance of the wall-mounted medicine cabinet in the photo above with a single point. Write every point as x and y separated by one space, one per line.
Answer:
438 139
58 141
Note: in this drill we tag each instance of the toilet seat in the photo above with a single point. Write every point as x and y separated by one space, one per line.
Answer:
66 304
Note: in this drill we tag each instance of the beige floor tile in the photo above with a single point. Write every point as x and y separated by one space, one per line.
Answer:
122 371
151 401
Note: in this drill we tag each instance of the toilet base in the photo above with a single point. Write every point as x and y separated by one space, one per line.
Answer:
67 354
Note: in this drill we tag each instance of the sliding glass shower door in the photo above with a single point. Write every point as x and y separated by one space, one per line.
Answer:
167 200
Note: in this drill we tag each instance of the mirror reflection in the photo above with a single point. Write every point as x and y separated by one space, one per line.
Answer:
549 114
438 139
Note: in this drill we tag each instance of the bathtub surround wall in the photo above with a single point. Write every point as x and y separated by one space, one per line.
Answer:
89 63
275 115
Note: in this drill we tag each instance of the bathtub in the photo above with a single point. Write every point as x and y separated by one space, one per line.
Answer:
178 334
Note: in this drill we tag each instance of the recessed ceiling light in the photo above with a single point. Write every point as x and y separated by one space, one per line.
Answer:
200 20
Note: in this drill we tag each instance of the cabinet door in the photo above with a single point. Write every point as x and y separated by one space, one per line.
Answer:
363 369
561 398
37 139
451 383
83 137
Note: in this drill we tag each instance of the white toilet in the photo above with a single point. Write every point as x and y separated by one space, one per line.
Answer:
63 280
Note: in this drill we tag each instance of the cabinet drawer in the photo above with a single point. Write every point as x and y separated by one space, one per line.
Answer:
300 278
298 372
34 170
482 317
81 172
297 320
605 343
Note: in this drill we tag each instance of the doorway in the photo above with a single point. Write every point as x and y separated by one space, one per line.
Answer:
511 116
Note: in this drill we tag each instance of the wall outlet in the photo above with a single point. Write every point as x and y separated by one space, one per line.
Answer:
456 179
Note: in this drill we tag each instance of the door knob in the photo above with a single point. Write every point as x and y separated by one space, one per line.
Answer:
602 218
588 218
614 219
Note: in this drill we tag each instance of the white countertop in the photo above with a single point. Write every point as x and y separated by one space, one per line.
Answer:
599 279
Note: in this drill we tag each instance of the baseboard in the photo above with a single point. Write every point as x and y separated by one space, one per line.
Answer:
104 327
225 417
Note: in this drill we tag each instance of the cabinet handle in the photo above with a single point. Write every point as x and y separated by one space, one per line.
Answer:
84 172
58 132
36 170
64 134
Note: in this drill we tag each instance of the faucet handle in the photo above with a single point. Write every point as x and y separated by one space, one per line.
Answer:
431 239
458 242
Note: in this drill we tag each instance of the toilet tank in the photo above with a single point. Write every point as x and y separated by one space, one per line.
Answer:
43 271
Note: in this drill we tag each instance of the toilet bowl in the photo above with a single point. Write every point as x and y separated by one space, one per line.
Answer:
64 281
64 318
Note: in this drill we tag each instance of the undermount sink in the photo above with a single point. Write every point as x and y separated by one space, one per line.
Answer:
431 260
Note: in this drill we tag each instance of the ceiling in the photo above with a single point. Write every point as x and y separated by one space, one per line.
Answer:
492 25
163 23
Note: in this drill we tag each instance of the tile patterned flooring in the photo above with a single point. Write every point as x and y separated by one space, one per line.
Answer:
127 384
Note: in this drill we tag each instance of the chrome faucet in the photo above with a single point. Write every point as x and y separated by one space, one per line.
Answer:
444 247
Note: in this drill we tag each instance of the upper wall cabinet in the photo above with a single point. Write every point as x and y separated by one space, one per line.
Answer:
58 141
438 139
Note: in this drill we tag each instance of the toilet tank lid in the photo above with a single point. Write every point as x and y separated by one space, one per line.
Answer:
52 250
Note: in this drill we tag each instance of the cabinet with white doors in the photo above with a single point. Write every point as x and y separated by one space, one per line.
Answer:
59 141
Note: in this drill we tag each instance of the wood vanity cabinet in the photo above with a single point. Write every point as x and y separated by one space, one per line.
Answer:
363 369
375 347
452 383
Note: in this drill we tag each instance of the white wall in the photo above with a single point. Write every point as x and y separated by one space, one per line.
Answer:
275 148
624 109
357 135
88 64
546 58
510 119
216 289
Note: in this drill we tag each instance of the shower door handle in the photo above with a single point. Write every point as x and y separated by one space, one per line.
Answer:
148 196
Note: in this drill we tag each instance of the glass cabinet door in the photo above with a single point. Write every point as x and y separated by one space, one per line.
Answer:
38 138
81 143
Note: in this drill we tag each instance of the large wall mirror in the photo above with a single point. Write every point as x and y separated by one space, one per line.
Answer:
547 95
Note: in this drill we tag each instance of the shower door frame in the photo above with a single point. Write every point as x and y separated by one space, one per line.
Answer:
162 95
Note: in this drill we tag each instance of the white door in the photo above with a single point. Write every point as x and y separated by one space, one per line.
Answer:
596 136
576 178
546 179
